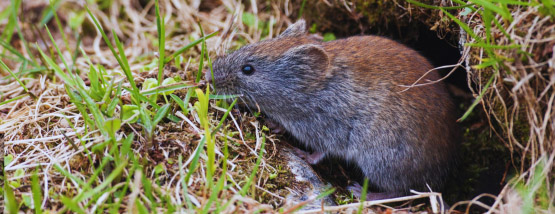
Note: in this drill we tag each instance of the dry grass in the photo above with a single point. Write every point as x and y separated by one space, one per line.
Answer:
519 100
509 56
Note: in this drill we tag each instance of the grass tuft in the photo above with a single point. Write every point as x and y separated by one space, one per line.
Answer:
508 66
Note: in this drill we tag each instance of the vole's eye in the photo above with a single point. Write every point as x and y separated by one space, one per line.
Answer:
247 69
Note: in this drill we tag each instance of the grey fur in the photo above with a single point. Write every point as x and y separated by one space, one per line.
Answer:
321 101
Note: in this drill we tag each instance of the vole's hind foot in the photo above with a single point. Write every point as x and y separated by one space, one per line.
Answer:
356 190
311 158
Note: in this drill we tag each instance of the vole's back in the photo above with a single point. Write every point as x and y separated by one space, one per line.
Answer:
404 138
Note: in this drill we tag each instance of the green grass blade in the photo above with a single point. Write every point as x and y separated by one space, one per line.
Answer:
11 203
146 121
104 89
13 99
27 71
161 43
12 50
502 29
90 103
247 186
179 102
302 9
190 45
57 70
479 98
463 25
50 12
115 173
202 111
147 186
5 14
35 189
96 172
160 114
202 54
57 48
18 29
491 6
186 101
220 124
125 64
76 53
9 28
75 98
420 4
127 72
221 181
165 88
73 206
320 196
101 30
215 191
222 96
183 184
126 145
487 62
112 107
363 195
142 98
487 17
548 7
58 23
5 67
115 208
514 2
484 45
69 175
194 162
140 207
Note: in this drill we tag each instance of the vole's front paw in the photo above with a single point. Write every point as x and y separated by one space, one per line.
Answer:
311 158
274 126
356 190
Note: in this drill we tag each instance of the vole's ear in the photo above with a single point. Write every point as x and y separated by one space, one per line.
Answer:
296 29
312 55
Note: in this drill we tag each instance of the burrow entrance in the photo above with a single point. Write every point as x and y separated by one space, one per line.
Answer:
484 163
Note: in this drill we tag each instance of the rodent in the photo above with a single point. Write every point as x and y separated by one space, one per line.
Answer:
346 98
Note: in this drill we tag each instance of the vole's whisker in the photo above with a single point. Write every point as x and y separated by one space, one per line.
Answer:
242 97
255 102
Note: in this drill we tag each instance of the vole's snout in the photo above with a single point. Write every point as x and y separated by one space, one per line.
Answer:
216 78
213 77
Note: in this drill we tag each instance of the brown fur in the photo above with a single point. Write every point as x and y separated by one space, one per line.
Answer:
345 98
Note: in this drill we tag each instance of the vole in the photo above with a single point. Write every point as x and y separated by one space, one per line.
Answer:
346 98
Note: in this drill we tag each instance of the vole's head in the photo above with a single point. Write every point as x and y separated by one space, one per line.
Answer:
274 70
